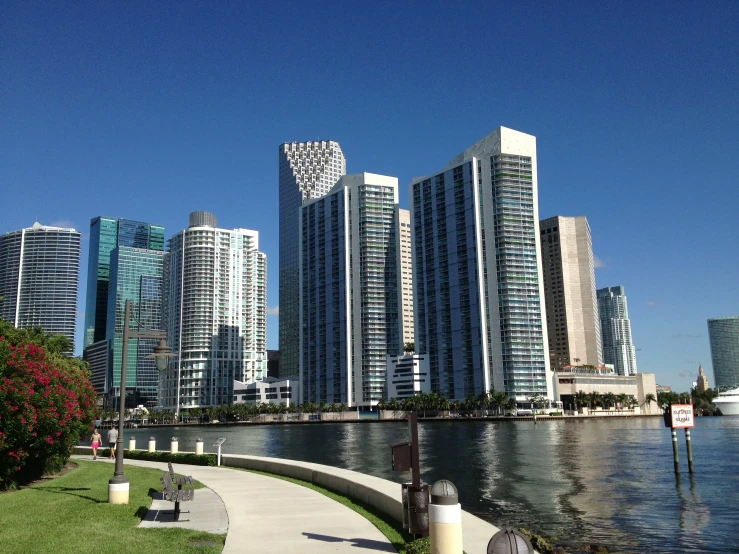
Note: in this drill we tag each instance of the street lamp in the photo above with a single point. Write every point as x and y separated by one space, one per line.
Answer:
118 484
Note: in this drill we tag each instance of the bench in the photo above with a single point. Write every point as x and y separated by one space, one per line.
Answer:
179 479
176 496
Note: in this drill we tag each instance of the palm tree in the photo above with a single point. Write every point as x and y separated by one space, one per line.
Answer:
409 347
581 399
622 399
594 399
648 399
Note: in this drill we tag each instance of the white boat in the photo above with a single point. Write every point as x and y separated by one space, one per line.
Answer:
728 402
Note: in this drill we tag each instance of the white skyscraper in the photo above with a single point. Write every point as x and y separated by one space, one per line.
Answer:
479 296
618 347
349 313
308 170
215 313
406 275
39 278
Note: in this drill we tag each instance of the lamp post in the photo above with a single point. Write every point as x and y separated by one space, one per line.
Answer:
118 484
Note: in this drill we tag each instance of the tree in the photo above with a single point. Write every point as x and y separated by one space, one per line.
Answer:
609 400
594 399
581 399
648 399
409 347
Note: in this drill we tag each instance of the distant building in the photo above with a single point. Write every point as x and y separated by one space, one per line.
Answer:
701 384
349 315
663 388
273 363
215 291
96 356
618 346
478 290
604 380
569 285
268 391
407 375
308 170
723 334
406 275
39 279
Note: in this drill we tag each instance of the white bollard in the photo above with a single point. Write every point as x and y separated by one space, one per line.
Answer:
445 519
152 444
173 447
132 443
199 447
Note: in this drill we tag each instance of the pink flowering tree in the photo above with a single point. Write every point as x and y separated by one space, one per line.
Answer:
46 405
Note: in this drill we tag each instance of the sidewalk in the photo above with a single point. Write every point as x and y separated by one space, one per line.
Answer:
268 515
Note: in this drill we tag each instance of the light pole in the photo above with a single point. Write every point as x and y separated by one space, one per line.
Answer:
118 484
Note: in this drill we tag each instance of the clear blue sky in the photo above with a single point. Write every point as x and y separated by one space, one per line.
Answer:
149 110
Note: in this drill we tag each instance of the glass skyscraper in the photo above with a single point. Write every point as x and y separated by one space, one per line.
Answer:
215 292
479 298
350 318
307 171
105 235
617 344
39 278
723 334
136 275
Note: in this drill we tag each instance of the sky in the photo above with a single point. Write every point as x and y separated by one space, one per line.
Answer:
151 110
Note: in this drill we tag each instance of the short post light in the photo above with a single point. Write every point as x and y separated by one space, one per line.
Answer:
445 519
510 541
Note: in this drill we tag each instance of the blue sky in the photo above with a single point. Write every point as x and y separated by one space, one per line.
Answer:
152 110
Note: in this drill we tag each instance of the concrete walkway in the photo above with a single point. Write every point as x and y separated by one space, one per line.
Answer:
268 515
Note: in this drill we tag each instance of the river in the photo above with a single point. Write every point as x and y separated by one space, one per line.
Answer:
608 481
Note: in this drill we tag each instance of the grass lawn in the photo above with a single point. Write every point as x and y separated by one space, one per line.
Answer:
393 530
71 514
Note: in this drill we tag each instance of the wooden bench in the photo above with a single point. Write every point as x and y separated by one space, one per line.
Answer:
176 496
179 479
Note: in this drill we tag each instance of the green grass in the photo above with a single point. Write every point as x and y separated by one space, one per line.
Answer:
71 514
392 529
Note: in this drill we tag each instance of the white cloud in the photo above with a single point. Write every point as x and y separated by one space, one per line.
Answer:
686 373
598 263
65 223
654 302
273 310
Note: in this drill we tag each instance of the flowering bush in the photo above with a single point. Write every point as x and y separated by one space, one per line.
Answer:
46 405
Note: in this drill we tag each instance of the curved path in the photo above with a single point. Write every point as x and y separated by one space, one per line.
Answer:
268 515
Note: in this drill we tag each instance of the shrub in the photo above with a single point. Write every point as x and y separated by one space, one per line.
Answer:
46 405
179 458
419 546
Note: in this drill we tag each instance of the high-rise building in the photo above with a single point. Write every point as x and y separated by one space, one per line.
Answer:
723 334
479 298
308 170
701 384
215 296
406 275
349 314
569 286
618 347
39 277
136 275
105 235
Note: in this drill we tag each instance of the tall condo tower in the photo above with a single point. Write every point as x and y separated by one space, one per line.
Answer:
308 170
215 296
349 315
406 275
106 234
39 277
723 334
569 287
618 347
479 296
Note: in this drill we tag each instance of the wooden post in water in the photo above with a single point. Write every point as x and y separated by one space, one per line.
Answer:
674 452
690 450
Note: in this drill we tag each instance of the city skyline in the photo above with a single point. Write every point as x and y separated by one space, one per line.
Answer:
197 124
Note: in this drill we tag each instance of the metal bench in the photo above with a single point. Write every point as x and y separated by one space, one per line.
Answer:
175 496
179 479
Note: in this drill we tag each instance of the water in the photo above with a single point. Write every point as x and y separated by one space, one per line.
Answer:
607 482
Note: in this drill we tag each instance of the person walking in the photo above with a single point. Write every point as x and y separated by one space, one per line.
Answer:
112 437
96 441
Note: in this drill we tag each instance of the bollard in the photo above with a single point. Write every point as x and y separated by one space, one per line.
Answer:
199 447
689 446
509 541
173 446
445 519
132 443
152 444
674 452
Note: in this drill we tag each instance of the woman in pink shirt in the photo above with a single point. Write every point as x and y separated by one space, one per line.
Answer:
96 441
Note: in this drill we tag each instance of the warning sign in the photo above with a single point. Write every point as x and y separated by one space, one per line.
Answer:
682 416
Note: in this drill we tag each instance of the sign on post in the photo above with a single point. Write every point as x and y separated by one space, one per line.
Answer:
218 443
682 416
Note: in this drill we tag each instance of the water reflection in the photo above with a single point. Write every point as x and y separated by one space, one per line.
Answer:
606 482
